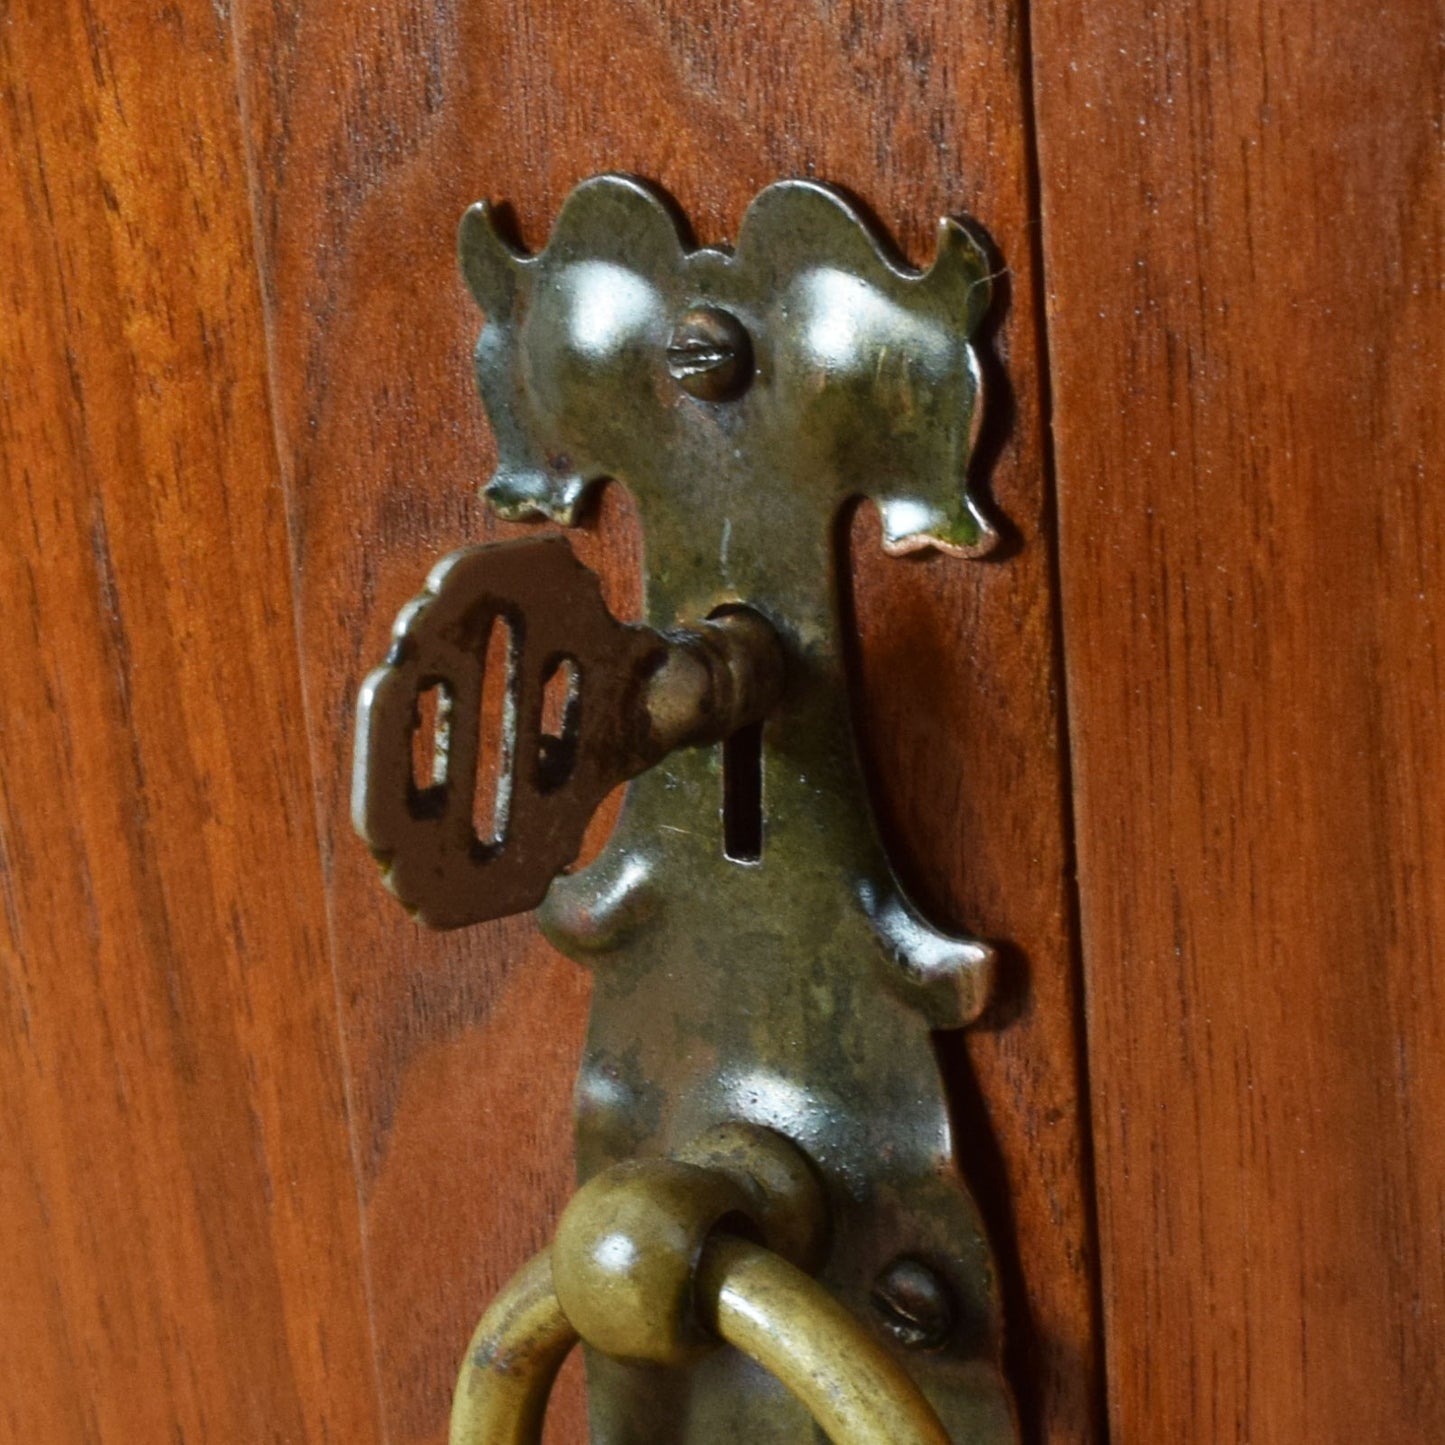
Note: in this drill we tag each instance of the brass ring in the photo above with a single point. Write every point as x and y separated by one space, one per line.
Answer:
754 1299
512 1360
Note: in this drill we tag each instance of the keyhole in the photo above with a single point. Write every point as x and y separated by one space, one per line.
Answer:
742 774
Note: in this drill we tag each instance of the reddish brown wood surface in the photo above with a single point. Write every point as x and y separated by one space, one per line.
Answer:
180 1252
1242 236
1243 215
371 128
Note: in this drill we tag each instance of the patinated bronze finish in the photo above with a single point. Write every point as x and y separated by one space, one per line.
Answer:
744 397
635 694
649 1266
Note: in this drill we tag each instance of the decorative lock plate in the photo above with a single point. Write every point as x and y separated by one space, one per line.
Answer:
756 961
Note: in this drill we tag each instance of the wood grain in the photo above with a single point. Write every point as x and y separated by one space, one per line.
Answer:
1243 215
181 1255
371 128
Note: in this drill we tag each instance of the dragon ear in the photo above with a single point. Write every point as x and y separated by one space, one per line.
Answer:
961 273
490 262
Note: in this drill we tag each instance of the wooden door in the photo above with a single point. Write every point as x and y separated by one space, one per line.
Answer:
1243 242
268 1148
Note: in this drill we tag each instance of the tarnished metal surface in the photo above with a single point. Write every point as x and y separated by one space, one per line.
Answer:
635 694
511 1362
755 957
648 1265
794 1329
624 1262
795 990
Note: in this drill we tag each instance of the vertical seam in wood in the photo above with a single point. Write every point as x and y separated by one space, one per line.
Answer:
284 468
1051 532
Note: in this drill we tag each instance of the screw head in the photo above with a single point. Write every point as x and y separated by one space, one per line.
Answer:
913 1304
709 354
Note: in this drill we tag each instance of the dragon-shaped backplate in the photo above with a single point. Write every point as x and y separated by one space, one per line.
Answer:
797 988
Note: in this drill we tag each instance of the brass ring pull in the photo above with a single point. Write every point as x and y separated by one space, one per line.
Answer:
512 1360
754 1299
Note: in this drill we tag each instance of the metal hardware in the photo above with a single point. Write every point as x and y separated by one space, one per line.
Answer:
756 959
913 1304
645 1268
709 354
635 694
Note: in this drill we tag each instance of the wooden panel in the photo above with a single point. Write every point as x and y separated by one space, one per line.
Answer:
1243 212
372 128
182 1251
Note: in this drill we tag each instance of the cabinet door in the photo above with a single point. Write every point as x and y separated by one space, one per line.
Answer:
1242 247
273 1146
370 132
180 1238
